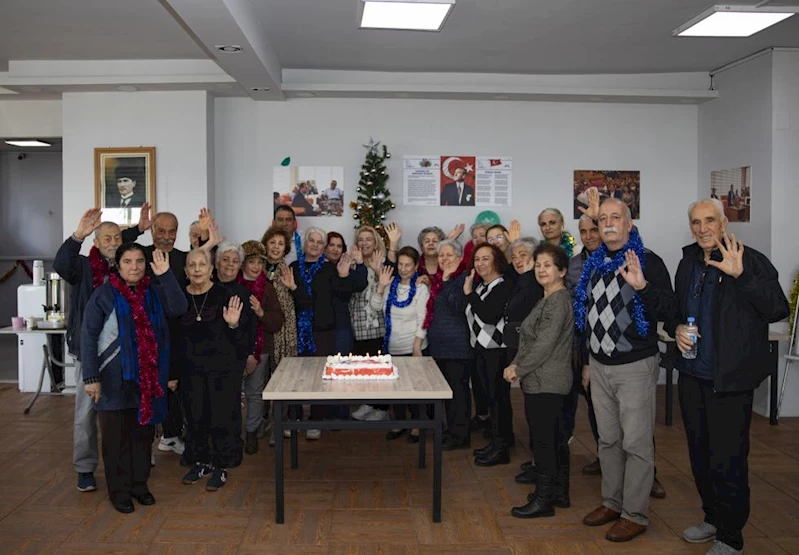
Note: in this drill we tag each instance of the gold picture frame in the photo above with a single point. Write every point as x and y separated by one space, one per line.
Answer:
124 179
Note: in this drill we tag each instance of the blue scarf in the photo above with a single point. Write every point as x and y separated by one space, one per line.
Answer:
392 301
128 354
597 263
305 342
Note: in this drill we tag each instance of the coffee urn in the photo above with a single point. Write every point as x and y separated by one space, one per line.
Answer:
55 308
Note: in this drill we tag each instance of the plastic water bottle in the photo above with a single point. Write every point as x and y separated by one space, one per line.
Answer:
693 333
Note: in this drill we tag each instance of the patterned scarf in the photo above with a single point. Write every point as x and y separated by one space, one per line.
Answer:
305 342
256 287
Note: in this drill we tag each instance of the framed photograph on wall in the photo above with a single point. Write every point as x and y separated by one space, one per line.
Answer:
124 179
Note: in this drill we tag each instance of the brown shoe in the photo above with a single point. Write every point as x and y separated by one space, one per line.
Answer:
600 516
657 491
624 530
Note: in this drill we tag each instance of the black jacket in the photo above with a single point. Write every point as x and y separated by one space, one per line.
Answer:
743 309
526 294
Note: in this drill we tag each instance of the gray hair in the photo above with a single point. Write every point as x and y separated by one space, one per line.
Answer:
478 225
457 247
714 202
433 229
205 252
194 223
527 243
317 230
586 218
99 230
229 246
620 203
555 211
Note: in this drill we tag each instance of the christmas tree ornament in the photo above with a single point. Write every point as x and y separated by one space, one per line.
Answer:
373 201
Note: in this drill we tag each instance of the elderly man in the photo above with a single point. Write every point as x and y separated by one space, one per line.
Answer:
85 274
733 293
623 291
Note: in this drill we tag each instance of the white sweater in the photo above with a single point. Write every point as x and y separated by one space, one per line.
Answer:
406 323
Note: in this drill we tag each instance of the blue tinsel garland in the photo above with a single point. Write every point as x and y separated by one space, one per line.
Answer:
596 263
392 301
305 342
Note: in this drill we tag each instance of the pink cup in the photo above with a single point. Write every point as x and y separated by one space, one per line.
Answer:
17 322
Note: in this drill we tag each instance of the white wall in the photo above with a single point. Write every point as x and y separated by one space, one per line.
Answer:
734 131
547 141
30 118
175 123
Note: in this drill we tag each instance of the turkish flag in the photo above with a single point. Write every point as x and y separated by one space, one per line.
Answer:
495 162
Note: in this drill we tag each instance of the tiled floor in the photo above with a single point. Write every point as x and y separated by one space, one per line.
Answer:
355 493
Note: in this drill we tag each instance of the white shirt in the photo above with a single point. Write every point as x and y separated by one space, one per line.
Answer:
406 323
333 194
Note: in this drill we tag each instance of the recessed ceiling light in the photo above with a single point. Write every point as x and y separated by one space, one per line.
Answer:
27 143
127 88
229 48
409 15
733 21
259 89
305 94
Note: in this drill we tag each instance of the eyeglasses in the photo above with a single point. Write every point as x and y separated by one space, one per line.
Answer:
699 286
497 239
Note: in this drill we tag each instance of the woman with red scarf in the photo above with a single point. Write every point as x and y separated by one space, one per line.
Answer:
125 350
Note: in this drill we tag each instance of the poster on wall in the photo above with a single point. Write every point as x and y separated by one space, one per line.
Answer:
456 180
124 179
624 185
733 187
309 190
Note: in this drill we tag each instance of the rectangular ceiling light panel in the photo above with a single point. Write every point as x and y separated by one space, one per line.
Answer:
733 21
27 144
408 15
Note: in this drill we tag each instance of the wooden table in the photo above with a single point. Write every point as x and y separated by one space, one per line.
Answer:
298 380
669 361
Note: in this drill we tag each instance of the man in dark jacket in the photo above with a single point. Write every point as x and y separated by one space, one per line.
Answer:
733 293
85 274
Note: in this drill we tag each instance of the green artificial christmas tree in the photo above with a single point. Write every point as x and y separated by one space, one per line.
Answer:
374 198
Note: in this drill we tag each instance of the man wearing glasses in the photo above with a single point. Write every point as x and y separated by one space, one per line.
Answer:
733 293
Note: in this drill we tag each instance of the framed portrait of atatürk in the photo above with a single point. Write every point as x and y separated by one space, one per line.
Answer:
124 179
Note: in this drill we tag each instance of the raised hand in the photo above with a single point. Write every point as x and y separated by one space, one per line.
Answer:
515 230
232 312
394 233
468 283
255 304
592 193
287 277
160 263
386 276
145 217
732 256
214 239
205 218
456 232
90 221
529 265
447 269
343 265
633 274
375 262
356 254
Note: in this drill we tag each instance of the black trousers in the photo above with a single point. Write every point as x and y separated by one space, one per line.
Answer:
126 448
212 399
717 429
489 364
459 409
544 414
173 424
370 347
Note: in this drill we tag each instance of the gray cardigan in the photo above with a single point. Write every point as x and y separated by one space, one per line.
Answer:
545 346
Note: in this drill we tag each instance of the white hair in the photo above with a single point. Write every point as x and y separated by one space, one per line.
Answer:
527 243
318 231
453 244
714 202
229 246
620 203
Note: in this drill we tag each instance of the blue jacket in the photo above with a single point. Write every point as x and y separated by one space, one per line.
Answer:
101 363
448 335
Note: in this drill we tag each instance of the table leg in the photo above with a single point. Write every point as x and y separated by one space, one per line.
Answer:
422 448
278 429
774 362
438 416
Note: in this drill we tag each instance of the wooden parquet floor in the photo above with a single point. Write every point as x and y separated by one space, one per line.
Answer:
355 493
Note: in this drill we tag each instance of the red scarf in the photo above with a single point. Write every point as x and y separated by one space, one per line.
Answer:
436 285
101 269
149 384
256 287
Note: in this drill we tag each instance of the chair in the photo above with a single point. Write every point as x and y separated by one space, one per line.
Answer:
791 357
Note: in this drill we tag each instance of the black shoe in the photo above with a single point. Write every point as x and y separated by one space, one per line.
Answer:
561 499
498 456
541 504
528 476
145 498
592 469
527 465
217 480
394 434
413 438
251 443
123 506
451 443
483 450
478 423
197 471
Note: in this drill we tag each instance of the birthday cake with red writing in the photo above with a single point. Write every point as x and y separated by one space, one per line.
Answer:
355 367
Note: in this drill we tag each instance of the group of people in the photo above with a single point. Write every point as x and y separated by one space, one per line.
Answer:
499 309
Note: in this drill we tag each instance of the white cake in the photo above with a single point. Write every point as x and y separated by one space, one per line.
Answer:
355 367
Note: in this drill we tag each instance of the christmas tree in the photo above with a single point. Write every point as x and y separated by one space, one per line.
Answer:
374 198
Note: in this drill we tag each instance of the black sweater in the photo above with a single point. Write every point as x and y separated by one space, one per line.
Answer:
325 286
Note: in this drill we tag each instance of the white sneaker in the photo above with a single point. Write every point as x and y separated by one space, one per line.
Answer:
701 533
362 412
313 434
376 415
287 433
152 459
171 444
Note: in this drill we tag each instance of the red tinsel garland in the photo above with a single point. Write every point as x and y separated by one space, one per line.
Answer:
149 384
101 269
436 285
256 287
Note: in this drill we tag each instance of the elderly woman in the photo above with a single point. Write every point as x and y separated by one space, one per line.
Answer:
543 365
262 300
405 303
125 348
314 284
550 220
368 326
216 348
448 340
335 250
485 311
284 340
428 239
